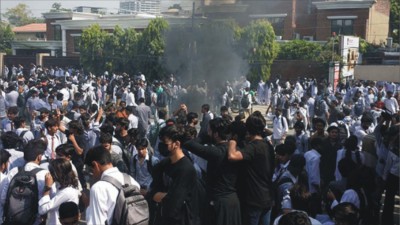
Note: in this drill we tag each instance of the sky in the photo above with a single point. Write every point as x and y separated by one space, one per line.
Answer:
38 7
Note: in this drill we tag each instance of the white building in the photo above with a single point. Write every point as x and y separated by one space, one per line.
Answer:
140 6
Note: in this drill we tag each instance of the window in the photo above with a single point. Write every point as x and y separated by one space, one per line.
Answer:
77 43
342 26
57 32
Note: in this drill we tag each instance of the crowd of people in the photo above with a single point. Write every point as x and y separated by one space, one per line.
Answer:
85 139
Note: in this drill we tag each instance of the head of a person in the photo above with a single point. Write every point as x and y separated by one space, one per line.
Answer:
278 112
122 124
290 142
4 160
171 139
255 125
316 143
141 146
205 108
333 132
69 213
12 112
366 121
346 213
65 151
218 129
283 153
75 127
98 159
296 164
50 99
19 122
224 110
10 140
389 94
192 118
345 166
107 128
295 218
34 150
351 143
141 100
299 127
82 109
106 141
61 171
51 126
122 104
162 114
319 125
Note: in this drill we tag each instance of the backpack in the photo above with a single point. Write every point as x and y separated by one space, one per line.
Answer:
22 143
162 99
153 133
126 155
245 102
318 108
21 206
21 101
147 95
131 207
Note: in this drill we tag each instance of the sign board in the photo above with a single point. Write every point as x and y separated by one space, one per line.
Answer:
349 51
334 72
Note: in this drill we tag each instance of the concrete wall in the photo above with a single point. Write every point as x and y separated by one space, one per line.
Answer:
378 24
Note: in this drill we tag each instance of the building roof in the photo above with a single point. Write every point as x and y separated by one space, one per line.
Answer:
30 28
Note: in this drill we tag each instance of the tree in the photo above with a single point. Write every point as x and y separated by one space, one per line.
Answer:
259 48
56 7
20 15
92 49
394 22
6 37
151 48
175 6
299 49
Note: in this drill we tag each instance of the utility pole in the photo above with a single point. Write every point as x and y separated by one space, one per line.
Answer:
192 49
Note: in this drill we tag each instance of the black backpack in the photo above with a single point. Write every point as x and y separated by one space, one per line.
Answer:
162 99
131 208
21 206
318 108
245 102
22 143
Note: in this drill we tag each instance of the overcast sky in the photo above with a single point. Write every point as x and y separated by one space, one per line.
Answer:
39 6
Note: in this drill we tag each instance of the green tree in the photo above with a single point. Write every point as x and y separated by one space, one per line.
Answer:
20 15
6 37
93 49
394 22
56 7
299 49
151 48
260 48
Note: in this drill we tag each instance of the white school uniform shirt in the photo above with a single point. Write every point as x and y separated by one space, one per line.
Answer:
133 121
40 177
16 159
279 128
366 160
2 179
51 205
313 159
392 105
57 142
350 196
27 136
130 99
103 196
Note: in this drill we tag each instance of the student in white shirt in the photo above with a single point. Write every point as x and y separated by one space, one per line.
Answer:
10 142
391 103
64 179
21 130
33 153
103 195
4 157
53 140
280 128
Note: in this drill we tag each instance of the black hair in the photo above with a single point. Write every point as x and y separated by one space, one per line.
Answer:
61 171
18 121
206 107
290 142
173 132
107 128
346 166
75 124
68 210
350 144
255 125
346 213
295 218
162 114
123 122
98 154
105 138
10 139
141 100
50 123
13 110
4 156
191 115
142 143
315 143
66 150
33 149
299 125
221 127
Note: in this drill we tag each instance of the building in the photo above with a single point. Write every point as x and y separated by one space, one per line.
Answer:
140 6
309 19
90 9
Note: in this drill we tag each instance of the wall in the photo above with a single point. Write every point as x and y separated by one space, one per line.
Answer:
324 24
292 69
378 24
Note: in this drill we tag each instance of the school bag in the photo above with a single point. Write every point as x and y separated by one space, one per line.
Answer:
21 144
162 99
245 102
131 207
343 131
21 206
318 111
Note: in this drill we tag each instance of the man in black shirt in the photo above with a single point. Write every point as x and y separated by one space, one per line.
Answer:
224 206
174 196
259 159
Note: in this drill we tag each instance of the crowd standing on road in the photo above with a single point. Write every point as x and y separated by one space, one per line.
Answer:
74 144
